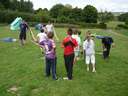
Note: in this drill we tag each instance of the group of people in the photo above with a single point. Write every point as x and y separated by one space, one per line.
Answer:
72 46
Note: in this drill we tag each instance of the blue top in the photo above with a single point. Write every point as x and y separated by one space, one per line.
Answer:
23 27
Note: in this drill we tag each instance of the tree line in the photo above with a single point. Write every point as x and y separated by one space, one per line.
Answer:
59 13
16 5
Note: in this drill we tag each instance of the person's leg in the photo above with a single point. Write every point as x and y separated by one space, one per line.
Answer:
105 53
78 56
75 58
87 62
70 66
93 63
66 63
108 50
21 39
48 65
24 37
53 64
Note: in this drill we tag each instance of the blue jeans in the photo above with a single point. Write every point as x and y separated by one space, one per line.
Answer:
51 65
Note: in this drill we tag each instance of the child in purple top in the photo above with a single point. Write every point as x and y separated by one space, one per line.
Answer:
50 54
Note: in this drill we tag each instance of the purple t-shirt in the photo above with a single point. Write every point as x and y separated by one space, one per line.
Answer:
49 46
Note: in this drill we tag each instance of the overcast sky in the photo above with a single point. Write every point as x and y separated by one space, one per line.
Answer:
109 5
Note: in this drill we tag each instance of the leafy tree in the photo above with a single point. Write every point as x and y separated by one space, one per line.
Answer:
43 15
90 14
55 10
123 17
76 14
1 6
105 17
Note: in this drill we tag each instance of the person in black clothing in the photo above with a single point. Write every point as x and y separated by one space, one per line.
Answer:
23 30
107 42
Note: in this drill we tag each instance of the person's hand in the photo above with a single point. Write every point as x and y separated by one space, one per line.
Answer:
113 45
104 49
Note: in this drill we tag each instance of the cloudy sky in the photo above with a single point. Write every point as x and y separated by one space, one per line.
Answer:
109 5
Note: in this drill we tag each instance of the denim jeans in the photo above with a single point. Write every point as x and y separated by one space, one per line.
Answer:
51 66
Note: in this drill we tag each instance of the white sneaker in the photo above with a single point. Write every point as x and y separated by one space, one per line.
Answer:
87 69
65 78
94 71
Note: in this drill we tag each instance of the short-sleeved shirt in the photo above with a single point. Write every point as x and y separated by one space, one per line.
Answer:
49 27
42 36
89 47
77 38
107 41
23 27
69 44
49 46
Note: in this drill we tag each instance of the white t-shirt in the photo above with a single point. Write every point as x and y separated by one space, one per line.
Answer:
42 36
89 47
78 40
49 28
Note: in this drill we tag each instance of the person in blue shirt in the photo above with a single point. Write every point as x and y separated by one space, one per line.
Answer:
23 29
107 42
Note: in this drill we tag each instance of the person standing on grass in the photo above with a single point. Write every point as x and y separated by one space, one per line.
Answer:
69 44
88 46
50 28
77 49
107 42
42 36
50 55
23 29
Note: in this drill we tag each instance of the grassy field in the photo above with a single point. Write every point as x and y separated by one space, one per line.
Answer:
22 69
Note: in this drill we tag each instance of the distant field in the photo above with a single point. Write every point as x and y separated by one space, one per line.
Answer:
113 24
23 68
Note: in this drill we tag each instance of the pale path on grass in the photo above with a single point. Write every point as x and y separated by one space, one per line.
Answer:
118 34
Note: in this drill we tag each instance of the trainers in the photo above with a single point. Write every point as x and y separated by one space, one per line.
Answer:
65 78
94 71
87 69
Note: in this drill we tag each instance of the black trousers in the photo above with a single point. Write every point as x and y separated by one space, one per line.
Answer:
106 52
22 36
69 65
51 66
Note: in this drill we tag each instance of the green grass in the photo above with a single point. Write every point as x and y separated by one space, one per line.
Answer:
23 67
113 24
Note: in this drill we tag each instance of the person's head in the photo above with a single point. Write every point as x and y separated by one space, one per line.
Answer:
44 25
75 31
79 32
70 32
49 22
50 35
88 37
42 30
88 33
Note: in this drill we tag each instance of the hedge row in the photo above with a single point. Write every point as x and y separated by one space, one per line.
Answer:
122 26
9 16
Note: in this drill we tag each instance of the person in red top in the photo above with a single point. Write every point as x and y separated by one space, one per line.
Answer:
69 44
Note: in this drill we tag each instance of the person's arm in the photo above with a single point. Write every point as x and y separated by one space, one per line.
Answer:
73 42
37 39
54 46
113 44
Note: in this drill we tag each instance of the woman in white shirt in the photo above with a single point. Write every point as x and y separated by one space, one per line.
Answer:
89 48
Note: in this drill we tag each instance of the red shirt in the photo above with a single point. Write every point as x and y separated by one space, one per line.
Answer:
69 44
